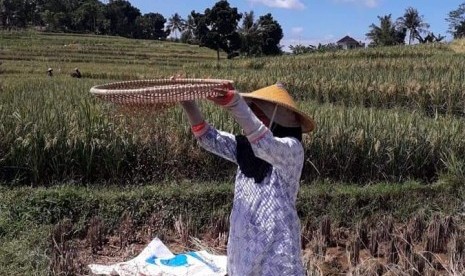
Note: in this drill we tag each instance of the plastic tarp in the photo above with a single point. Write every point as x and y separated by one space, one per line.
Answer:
156 260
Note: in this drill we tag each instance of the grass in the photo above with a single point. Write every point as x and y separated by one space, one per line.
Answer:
92 142
382 114
351 143
28 214
458 46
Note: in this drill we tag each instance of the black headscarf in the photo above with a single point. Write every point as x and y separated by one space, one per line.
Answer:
254 167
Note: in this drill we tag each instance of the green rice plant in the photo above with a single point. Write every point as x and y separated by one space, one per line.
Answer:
390 145
91 141
382 114
458 46
424 78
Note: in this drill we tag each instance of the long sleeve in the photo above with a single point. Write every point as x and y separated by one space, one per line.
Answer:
218 142
252 126
285 154
264 234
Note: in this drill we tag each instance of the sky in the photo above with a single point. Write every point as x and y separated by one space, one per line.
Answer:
309 22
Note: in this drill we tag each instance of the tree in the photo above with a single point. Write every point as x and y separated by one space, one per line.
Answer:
270 34
69 15
387 34
122 17
151 26
216 28
431 38
460 30
261 37
248 23
58 14
187 35
34 11
176 24
9 12
330 47
413 22
300 49
250 43
456 19
90 17
20 13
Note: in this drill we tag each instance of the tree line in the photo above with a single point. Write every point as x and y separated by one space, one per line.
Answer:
83 16
217 27
220 27
410 27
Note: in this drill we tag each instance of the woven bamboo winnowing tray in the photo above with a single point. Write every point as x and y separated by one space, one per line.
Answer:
148 92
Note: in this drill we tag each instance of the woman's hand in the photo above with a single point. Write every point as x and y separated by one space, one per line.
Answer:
226 94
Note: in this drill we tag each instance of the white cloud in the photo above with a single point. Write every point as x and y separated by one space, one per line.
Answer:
284 4
328 37
367 3
297 31
371 3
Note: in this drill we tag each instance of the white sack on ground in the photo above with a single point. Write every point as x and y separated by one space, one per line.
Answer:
156 260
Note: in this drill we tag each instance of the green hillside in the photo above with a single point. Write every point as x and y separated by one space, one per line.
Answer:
388 114
99 57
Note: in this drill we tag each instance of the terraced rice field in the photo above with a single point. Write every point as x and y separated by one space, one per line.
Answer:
389 148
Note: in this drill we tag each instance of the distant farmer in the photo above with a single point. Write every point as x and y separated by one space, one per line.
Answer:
76 73
264 234
50 72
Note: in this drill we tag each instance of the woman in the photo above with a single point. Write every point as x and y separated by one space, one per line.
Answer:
264 234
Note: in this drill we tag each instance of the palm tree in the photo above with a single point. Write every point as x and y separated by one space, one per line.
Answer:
431 38
188 35
248 23
249 34
413 22
176 24
386 34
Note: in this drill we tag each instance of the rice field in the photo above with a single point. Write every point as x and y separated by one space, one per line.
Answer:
390 142
383 114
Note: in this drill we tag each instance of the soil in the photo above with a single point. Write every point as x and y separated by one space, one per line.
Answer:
334 262
380 248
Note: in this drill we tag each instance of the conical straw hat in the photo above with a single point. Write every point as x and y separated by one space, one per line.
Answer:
277 94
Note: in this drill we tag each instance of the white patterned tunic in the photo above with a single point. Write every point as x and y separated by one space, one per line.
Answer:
264 237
